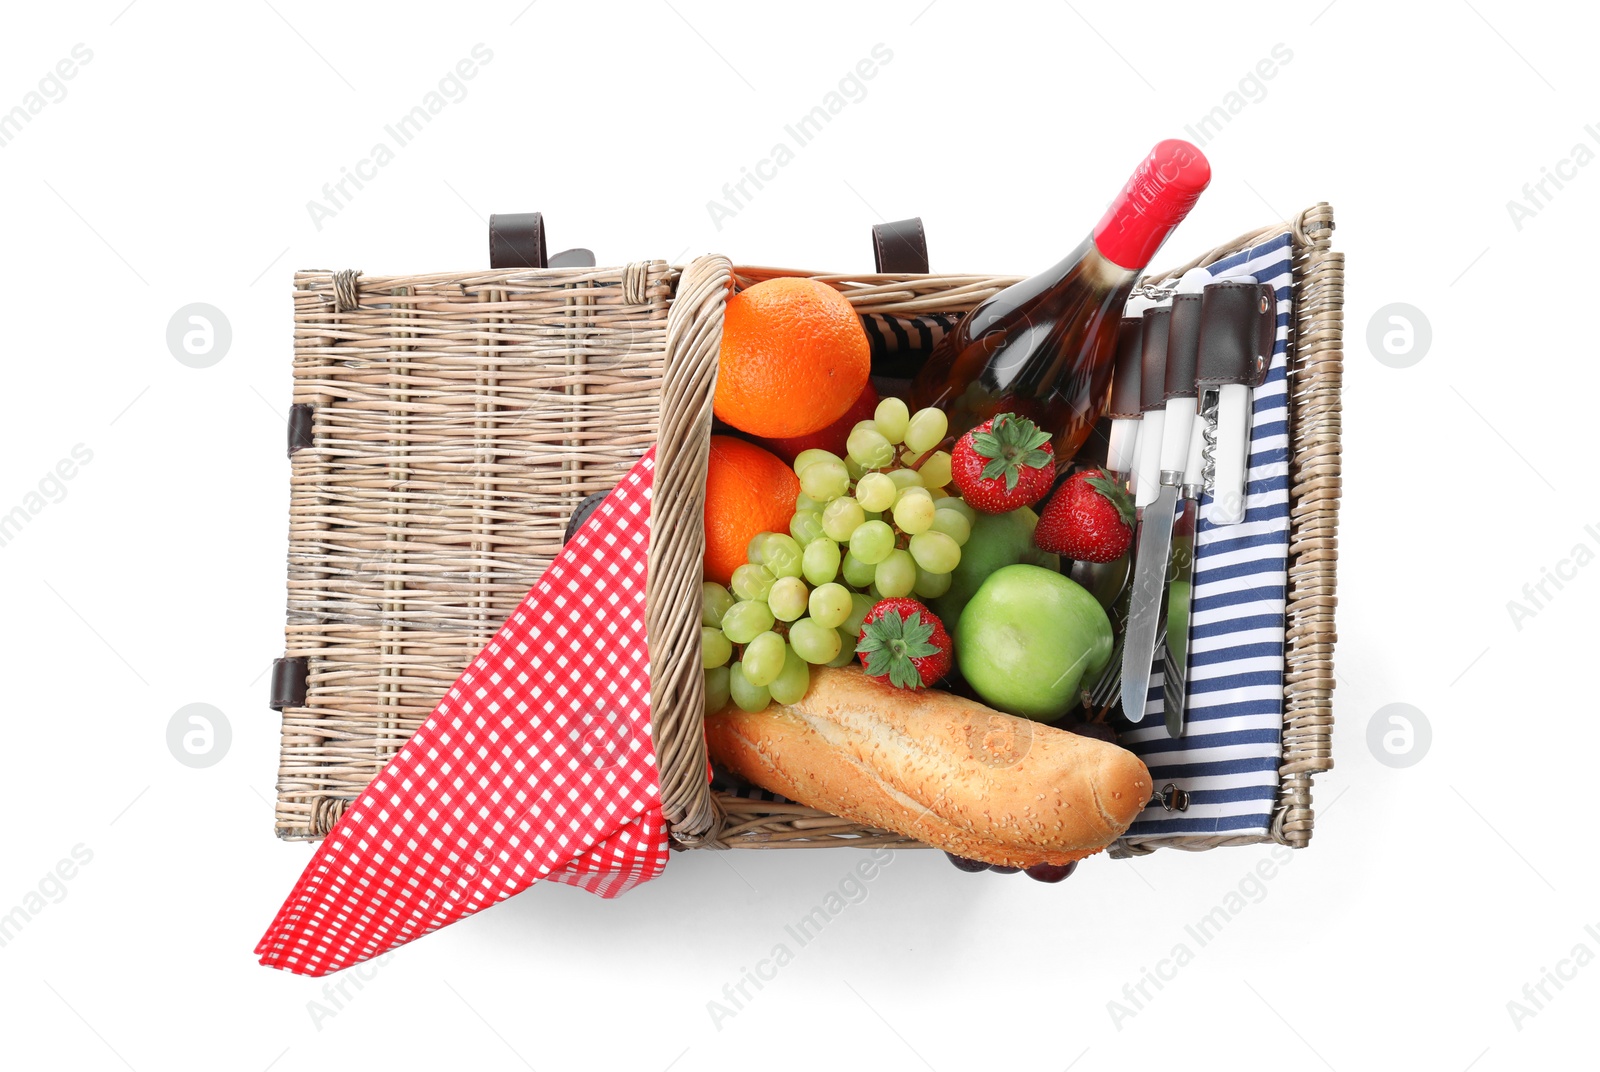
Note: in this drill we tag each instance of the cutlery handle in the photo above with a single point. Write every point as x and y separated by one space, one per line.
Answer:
1152 402
1231 457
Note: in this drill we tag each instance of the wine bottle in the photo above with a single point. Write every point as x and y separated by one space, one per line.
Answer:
1045 347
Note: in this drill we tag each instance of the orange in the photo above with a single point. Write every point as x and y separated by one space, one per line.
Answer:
748 490
793 359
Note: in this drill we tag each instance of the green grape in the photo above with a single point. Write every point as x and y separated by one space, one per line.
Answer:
854 468
855 571
959 506
756 550
746 620
859 606
803 460
931 585
821 562
788 599
793 680
803 501
953 523
763 658
716 689
830 604
873 515
892 417
847 650
936 470
876 491
869 447
896 575
914 512
715 648
935 552
939 493
814 642
905 478
782 555
842 517
872 542
714 603
751 581
748 695
805 526
825 479
926 429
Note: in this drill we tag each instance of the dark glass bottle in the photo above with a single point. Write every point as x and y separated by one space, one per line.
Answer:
1045 347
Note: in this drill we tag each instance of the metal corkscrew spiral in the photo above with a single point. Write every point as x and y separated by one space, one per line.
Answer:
1208 431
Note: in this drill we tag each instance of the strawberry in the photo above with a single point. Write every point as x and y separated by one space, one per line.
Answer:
1004 463
905 642
1090 519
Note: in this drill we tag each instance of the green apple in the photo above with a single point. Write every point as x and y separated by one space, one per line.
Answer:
1029 638
997 540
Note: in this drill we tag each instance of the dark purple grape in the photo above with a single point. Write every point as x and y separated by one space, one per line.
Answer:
1002 870
965 864
1098 730
1051 872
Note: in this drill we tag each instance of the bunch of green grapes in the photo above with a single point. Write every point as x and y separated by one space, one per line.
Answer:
873 525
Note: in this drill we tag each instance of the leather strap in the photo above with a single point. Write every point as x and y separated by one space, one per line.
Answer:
1125 377
900 247
1183 347
516 240
1153 360
1238 329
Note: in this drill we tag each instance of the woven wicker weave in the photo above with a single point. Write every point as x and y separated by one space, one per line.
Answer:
458 418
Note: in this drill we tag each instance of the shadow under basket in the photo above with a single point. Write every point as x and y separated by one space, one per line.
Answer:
445 427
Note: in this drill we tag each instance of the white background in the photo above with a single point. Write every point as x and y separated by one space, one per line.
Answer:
177 169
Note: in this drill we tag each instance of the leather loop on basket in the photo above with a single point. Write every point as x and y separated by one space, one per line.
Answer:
301 420
677 547
900 248
290 677
516 240
346 294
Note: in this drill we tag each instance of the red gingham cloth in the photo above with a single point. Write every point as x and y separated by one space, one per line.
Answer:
537 763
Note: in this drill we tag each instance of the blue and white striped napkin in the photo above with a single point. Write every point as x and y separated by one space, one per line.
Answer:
1228 758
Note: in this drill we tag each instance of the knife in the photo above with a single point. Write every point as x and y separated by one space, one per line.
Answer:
1183 347
1107 581
1156 499
1234 333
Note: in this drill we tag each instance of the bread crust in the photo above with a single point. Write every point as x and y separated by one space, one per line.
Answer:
936 767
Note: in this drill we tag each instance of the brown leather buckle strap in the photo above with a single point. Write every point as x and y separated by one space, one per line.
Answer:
516 240
900 247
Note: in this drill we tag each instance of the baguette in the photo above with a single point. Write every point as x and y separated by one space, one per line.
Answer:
932 766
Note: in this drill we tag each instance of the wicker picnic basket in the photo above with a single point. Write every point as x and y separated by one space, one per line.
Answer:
445 426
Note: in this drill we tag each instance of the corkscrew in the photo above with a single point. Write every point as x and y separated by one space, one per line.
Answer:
1237 333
